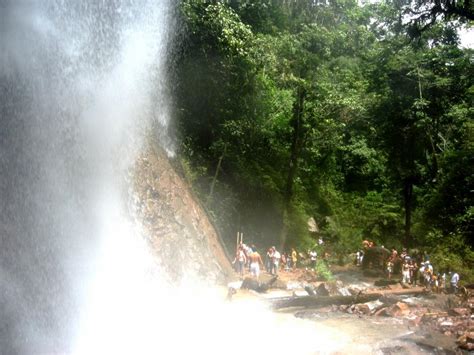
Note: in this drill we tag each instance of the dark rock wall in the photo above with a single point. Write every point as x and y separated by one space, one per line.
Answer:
177 227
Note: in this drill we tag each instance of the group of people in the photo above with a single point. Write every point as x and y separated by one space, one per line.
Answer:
248 258
286 261
417 269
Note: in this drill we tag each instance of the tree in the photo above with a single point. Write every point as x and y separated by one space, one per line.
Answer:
424 14
326 109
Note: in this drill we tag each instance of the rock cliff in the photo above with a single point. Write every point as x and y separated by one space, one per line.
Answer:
177 227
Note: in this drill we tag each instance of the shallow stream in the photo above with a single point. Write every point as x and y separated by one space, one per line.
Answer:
327 332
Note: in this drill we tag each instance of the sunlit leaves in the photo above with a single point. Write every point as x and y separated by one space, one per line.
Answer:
217 25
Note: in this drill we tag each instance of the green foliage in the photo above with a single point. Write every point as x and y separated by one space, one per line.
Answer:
216 26
450 253
327 109
322 271
362 165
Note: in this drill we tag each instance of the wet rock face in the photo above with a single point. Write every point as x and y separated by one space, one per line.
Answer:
179 232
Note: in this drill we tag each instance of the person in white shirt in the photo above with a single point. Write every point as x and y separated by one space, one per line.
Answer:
406 272
454 282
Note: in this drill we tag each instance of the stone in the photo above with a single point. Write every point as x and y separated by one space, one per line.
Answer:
362 308
383 312
446 324
399 309
322 290
460 312
428 317
374 305
469 346
343 291
344 307
470 337
299 293
354 290
310 290
466 341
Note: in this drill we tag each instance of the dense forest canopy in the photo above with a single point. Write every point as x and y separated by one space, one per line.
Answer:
356 115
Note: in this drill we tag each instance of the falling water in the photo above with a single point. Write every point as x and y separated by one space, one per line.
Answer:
80 85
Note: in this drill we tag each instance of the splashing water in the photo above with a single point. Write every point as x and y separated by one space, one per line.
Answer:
81 83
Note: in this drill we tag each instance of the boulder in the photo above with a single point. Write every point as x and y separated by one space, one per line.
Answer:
368 307
470 337
446 324
322 290
362 308
429 317
466 341
310 290
299 293
344 307
398 309
343 291
258 285
383 312
460 312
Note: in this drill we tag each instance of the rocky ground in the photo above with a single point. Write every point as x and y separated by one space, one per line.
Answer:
437 322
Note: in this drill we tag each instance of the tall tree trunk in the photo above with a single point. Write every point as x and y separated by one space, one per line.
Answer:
296 145
214 179
408 200
430 131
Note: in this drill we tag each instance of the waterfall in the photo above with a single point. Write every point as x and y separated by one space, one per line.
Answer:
81 84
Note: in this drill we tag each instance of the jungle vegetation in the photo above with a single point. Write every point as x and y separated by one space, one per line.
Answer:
359 116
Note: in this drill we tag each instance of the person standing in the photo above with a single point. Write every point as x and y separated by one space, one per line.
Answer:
421 273
413 272
269 260
406 272
294 258
313 256
428 273
443 282
255 263
247 250
240 259
389 269
454 282
276 261
284 261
